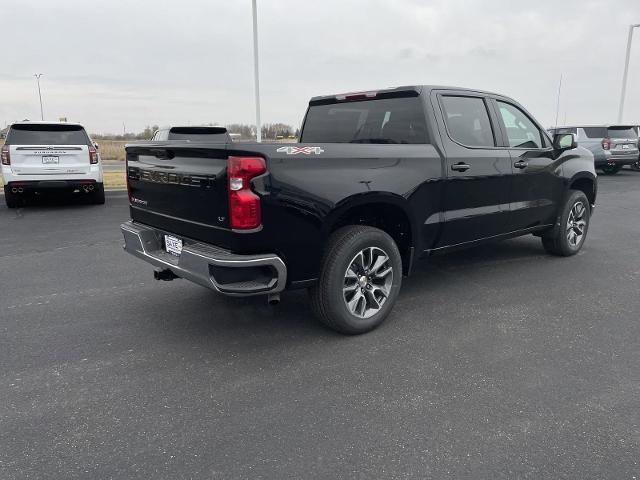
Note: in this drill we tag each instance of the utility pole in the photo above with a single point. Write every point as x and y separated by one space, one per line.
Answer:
626 71
38 75
256 70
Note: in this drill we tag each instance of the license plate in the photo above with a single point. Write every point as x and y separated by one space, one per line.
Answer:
173 245
625 146
50 160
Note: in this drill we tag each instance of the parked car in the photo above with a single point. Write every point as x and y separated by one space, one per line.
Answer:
192 134
379 179
42 157
613 146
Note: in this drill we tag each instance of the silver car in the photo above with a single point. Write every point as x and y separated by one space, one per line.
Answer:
613 146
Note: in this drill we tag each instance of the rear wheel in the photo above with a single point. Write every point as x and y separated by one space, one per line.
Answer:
359 281
636 166
97 196
611 169
11 199
570 231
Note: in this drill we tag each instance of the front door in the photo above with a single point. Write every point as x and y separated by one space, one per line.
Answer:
537 184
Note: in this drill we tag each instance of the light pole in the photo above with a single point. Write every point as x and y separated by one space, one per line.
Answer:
255 70
558 103
626 72
38 75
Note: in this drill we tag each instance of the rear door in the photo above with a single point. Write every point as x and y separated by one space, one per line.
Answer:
48 149
478 172
537 185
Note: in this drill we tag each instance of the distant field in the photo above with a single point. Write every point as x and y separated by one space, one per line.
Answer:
111 149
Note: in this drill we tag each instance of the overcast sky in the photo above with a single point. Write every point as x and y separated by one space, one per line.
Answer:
149 62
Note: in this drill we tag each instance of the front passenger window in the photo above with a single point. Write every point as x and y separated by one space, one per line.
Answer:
521 131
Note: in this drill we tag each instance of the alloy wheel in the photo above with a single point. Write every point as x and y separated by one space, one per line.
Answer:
367 282
576 224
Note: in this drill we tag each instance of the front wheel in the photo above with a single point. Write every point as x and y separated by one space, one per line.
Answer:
611 169
359 281
570 231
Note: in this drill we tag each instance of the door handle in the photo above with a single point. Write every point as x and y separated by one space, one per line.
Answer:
460 167
521 164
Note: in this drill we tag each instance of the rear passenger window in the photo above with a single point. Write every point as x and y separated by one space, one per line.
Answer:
521 131
468 121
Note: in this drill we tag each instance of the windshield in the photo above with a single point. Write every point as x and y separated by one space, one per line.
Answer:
43 134
390 120
623 132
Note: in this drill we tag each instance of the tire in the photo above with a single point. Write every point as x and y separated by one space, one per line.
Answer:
97 197
11 199
636 166
611 169
565 239
350 254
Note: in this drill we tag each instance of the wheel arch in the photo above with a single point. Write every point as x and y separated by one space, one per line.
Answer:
587 183
389 212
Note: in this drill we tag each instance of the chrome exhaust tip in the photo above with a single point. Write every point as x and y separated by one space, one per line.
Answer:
20 190
91 187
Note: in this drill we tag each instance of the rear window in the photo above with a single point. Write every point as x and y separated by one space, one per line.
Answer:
38 134
595 132
389 120
622 132
198 134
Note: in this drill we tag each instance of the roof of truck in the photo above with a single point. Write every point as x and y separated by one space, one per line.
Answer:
392 91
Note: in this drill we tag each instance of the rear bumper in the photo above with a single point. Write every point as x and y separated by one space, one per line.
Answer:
40 185
207 265
615 160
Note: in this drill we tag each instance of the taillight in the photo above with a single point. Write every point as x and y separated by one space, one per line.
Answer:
6 159
606 143
244 205
93 155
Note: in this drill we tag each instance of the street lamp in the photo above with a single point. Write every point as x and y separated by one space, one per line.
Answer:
255 70
38 75
626 72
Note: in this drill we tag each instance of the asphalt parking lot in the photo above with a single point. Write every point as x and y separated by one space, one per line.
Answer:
497 362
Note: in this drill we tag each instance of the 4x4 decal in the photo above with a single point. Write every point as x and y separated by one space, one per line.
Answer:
304 150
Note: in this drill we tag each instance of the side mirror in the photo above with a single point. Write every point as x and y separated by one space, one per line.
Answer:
96 146
564 141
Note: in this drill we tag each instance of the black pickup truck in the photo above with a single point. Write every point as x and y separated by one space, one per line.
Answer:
379 179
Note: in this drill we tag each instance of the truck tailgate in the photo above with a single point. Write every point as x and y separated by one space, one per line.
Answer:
180 189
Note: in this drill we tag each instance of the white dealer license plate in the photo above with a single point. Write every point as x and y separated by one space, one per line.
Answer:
50 160
173 245
626 145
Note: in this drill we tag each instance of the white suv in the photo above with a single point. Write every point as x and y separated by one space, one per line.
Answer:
44 156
